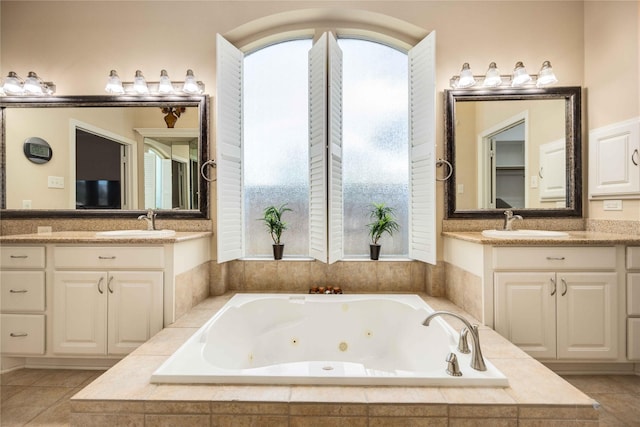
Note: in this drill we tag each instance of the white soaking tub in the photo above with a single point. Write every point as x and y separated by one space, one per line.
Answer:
374 339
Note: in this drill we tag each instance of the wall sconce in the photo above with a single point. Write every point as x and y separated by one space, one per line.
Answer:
164 86
493 79
13 85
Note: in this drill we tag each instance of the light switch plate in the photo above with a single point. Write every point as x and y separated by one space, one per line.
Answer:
612 205
56 182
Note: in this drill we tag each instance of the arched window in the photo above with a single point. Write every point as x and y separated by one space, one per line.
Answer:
328 130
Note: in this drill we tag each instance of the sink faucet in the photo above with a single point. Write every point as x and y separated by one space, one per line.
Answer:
477 361
150 217
509 217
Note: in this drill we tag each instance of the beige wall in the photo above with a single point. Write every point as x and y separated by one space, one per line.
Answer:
612 67
75 44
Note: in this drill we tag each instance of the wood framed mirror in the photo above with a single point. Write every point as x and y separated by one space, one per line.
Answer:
517 149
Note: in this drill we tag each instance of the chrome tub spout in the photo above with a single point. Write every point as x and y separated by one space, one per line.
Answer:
477 361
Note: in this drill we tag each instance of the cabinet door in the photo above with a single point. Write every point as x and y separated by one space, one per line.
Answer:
525 311
614 159
135 309
587 316
79 312
552 171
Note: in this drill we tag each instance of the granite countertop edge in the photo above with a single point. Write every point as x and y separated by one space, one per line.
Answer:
575 238
91 237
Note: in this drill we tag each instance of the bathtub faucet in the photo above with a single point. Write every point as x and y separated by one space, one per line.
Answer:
477 362
150 217
509 217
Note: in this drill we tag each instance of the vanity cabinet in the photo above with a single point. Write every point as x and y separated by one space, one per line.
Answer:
22 300
558 302
633 302
106 300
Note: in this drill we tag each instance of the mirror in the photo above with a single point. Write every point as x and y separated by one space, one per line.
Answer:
516 149
112 156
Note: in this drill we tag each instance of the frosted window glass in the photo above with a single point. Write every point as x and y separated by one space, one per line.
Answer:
375 142
276 145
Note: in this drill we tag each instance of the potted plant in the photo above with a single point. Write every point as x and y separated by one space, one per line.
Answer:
272 217
383 222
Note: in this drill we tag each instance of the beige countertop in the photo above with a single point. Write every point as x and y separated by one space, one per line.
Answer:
91 237
575 238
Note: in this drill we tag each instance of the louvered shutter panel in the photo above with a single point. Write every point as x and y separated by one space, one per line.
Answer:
317 150
335 210
422 133
229 62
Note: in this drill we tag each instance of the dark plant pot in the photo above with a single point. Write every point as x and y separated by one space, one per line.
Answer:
374 252
278 250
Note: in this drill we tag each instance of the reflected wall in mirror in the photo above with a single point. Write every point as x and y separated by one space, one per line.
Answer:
513 149
101 164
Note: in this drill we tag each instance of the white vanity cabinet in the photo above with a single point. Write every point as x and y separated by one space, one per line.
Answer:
106 300
22 299
558 302
633 302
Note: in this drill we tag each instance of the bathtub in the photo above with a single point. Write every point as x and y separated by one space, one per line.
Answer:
374 339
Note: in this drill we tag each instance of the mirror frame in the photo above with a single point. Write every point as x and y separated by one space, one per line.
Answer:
200 101
573 132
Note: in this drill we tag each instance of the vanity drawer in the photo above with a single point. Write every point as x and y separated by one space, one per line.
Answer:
554 258
21 256
22 290
109 257
633 339
633 258
22 334
633 294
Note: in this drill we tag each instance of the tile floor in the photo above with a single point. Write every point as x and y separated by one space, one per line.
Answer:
40 397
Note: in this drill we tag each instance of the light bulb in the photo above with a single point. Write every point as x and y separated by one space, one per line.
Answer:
546 76
190 83
165 86
12 84
140 84
520 76
32 84
492 78
466 77
114 85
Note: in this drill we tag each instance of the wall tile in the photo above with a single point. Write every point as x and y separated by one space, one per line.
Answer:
260 275
408 422
394 276
327 421
177 420
249 421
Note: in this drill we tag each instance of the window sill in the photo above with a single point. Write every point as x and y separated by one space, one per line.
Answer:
351 259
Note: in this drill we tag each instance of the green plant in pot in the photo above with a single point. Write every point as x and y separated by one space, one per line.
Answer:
384 221
272 217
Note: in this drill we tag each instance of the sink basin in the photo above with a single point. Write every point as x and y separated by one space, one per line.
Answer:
136 233
524 234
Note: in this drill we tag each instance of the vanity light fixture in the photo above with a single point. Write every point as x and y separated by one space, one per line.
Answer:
114 84
546 76
493 79
165 86
520 77
33 86
140 84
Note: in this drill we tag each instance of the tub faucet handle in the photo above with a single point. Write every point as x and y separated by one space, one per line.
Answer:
453 368
463 341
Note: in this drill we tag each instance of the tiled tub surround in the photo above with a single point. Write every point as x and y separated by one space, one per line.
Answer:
124 395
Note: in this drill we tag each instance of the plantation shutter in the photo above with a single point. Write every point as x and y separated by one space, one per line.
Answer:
422 133
317 150
229 63
336 229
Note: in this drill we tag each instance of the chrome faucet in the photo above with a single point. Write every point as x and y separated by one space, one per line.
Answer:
150 217
477 361
509 217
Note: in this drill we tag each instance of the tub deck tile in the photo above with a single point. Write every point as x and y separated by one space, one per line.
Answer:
124 396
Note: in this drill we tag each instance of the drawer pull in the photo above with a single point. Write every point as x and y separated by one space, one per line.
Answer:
555 258
99 285
106 257
19 256
18 291
566 288
18 335
555 287
109 285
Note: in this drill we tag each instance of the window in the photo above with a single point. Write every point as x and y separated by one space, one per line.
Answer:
276 148
329 159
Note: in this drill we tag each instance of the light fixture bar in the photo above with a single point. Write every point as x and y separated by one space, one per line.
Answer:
164 87
33 85
492 80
